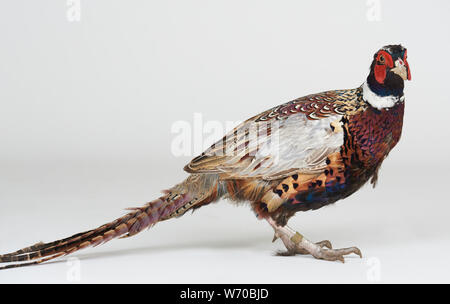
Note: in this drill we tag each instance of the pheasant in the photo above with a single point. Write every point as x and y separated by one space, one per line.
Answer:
298 156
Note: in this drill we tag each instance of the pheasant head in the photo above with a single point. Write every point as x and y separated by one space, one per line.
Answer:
388 71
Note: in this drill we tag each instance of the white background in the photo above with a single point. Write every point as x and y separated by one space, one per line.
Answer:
86 110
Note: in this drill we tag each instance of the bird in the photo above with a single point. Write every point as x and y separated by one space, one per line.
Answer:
298 156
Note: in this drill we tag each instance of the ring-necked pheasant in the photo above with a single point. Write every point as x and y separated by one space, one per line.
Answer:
298 156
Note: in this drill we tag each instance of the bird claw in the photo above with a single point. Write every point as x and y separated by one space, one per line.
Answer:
300 250
297 244
335 254
324 251
325 243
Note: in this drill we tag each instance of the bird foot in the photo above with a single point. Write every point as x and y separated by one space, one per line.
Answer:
297 244
299 250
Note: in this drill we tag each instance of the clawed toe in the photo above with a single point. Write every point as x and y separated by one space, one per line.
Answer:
297 244
300 250
325 243
335 254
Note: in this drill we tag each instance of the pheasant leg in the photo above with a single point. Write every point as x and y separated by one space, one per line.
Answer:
297 244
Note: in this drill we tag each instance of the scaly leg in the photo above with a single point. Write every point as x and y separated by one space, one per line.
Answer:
297 244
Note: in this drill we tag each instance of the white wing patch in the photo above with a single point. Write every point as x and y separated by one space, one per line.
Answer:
275 149
298 143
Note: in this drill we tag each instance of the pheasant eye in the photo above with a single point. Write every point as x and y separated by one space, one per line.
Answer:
381 59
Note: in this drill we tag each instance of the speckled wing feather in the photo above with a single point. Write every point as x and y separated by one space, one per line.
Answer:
294 137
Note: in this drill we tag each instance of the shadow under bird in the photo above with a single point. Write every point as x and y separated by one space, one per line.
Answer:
298 156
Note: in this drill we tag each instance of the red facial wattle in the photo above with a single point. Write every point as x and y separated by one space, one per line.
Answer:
380 73
407 65
380 67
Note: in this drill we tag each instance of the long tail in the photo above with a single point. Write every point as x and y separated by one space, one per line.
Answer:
197 190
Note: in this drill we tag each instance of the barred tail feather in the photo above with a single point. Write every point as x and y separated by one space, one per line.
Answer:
174 203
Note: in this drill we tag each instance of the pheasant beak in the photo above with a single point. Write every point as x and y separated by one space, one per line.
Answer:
401 68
